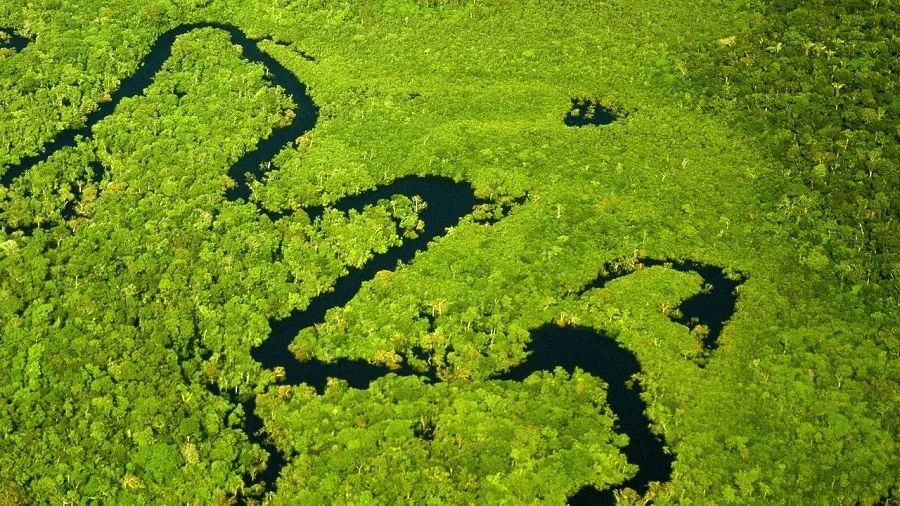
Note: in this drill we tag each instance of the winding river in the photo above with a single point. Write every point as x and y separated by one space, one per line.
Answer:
448 202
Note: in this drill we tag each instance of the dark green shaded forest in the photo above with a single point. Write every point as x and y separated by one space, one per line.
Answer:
758 137
821 78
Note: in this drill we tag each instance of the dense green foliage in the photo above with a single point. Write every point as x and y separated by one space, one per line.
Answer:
404 441
113 324
823 76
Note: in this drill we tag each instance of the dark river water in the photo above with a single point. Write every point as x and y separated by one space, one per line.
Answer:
448 202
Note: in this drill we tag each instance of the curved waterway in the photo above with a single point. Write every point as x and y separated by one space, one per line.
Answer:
448 202
307 112
550 347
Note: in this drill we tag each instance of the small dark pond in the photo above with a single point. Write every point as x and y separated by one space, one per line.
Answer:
10 39
588 112
448 202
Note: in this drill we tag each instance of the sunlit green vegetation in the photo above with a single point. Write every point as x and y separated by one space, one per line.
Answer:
115 322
